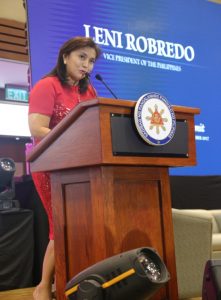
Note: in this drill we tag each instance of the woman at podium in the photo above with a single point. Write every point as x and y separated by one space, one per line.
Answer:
51 99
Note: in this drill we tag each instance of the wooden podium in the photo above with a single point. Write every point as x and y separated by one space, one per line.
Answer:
111 190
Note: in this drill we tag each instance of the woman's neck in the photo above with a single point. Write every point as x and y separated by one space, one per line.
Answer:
72 82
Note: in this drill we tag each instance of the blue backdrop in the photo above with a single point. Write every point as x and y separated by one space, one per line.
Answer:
171 47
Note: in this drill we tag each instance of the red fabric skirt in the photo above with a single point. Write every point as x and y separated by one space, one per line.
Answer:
43 186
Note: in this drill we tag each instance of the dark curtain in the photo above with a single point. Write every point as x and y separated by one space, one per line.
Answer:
189 192
28 198
16 249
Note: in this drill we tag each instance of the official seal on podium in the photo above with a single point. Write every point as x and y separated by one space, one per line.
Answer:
155 119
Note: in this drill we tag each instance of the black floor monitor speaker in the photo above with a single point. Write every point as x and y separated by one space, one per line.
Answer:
212 280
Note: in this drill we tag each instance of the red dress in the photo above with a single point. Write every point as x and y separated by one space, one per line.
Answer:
49 97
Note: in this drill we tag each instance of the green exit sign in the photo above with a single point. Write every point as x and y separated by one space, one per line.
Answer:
16 93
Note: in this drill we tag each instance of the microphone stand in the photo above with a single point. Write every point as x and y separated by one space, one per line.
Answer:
98 77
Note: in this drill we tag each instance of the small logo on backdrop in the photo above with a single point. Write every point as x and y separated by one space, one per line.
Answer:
155 119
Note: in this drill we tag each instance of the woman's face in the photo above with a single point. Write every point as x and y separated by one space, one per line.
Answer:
79 63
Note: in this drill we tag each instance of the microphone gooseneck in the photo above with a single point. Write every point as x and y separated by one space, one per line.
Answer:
99 77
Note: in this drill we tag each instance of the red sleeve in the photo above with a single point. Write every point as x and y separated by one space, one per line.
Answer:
42 97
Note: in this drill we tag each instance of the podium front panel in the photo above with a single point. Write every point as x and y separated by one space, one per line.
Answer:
103 211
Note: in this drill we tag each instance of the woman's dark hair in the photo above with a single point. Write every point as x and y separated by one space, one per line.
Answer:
71 45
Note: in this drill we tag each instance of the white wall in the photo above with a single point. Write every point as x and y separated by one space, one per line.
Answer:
14 71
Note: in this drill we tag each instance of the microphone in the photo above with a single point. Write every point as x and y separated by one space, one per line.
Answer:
98 77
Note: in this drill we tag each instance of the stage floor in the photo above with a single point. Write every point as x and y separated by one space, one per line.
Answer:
26 294
20 294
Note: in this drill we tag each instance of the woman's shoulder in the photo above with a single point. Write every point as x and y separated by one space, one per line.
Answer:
49 80
49 84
